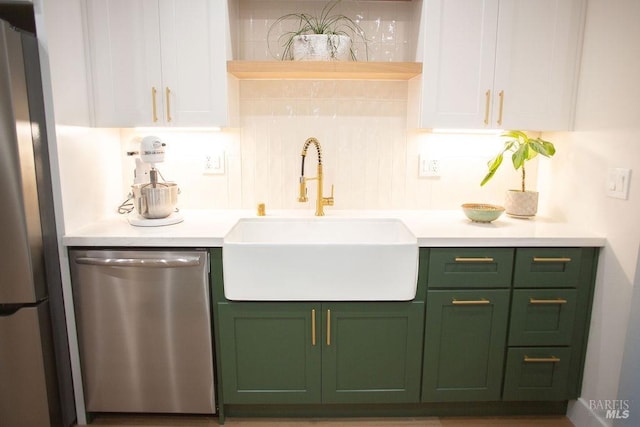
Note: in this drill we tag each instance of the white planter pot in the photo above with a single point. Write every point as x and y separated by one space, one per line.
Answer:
521 204
321 47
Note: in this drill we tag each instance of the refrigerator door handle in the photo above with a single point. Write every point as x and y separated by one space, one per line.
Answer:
187 261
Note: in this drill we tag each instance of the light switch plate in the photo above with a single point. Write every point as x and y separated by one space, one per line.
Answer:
618 183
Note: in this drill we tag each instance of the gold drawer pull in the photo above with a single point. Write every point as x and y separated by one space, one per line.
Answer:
501 95
542 259
551 359
480 301
154 109
487 105
313 327
483 259
547 301
168 97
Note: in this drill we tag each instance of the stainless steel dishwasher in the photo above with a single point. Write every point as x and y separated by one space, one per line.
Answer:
144 330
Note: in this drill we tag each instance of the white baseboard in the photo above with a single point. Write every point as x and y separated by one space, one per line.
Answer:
581 415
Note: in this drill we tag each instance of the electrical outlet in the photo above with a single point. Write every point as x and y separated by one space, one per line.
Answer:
618 183
429 167
214 163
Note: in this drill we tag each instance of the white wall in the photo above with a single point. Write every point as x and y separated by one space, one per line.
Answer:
607 125
89 158
629 389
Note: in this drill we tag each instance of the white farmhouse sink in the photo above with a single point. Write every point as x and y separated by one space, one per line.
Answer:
320 259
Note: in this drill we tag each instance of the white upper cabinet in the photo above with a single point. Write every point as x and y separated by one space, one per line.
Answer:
158 62
504 64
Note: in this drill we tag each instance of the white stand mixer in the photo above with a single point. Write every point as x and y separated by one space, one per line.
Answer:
154 202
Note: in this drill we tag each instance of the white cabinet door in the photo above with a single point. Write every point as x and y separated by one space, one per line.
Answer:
505 64
158 62
537 58
194 62
124 58
460 38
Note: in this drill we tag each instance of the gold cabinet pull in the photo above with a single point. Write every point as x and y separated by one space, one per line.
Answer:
547 301
481 301
501 95
483 259
153 104
313 327
559 259
328 327
551 359
168 96
487 105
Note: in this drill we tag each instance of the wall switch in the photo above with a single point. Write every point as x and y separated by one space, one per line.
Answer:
214 163
618 183
428 167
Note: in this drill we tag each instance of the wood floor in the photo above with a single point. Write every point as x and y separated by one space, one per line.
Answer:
167 421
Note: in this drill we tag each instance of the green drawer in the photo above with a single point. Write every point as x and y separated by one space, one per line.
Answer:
537 373
470 268
542 316
547 267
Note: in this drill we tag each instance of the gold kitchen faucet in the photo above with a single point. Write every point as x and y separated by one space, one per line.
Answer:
321 202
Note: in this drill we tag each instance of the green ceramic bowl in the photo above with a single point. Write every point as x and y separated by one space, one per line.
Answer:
482 212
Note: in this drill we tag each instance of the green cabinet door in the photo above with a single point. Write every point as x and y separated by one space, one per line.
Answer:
537 373
270 352
465 339
372 352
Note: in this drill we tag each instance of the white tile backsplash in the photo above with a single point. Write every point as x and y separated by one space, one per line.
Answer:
368 154
389 27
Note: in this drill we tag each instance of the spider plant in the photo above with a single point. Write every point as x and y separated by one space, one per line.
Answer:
326 22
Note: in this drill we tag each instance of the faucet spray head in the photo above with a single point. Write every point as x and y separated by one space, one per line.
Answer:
302 197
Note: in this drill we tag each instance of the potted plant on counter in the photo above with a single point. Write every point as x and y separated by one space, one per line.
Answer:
520 203
324 37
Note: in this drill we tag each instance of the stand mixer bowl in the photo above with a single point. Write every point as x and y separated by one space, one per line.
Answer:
154 202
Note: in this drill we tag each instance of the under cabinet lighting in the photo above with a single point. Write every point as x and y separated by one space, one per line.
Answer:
178 129
468 131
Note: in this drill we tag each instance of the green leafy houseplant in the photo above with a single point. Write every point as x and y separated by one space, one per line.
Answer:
327 23
523 149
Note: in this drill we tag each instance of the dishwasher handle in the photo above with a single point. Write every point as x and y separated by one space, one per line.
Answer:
186 261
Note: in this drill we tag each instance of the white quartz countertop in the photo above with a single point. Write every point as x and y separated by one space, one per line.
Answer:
207 228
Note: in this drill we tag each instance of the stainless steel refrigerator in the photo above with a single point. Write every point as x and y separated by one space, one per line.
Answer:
35 379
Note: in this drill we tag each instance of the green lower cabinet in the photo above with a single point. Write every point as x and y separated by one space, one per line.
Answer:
501 330
464 347
537 373
321 353
267 353
372 352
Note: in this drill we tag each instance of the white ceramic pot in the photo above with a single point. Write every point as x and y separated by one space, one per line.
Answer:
521 204
321 47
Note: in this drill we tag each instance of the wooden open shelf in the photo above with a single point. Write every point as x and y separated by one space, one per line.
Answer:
334 70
